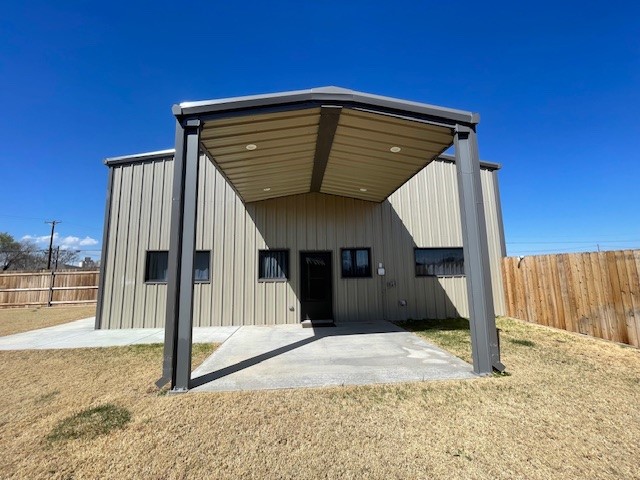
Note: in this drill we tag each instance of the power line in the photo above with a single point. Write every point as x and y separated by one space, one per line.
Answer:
40 219
569 250
20 217
7 250
592 242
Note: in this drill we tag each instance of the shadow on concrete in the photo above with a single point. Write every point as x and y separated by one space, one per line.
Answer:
250 362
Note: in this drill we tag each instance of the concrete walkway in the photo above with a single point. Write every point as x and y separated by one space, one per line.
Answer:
81 334
273 357
288 356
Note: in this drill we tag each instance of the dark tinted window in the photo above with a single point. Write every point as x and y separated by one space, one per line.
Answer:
439 262
273 264
201 267
356 262
158 263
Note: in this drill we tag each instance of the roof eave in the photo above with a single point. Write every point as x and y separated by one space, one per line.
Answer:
168 153
324 95
140 157
445 157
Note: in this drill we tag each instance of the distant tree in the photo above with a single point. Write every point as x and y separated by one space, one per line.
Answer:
66 258
16 255
25 255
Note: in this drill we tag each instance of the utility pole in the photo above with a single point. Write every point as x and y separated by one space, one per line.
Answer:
53 227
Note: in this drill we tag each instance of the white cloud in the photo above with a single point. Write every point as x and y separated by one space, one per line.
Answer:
40 240
65 243
74 242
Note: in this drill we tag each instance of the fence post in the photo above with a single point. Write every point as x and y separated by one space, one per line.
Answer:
51 284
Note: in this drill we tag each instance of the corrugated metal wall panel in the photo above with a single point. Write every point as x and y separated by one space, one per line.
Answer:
109 265
142 197
119 309
496 249
423 213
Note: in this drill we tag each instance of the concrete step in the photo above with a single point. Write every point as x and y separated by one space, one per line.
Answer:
318 323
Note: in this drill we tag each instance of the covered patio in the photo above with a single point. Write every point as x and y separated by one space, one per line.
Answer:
352 353
331 141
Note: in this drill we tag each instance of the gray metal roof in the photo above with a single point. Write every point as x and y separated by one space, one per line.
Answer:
140 157
321 95
445 157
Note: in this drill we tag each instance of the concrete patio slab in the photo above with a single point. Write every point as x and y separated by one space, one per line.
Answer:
288 356
81 334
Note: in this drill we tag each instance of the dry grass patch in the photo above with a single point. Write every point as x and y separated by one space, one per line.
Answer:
569 409
18 320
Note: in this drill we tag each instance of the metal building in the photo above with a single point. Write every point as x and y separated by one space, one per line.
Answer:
316 205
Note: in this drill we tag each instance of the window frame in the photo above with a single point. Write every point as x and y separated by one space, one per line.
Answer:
355 249
146 267
426 275
208 279
164 282
287 272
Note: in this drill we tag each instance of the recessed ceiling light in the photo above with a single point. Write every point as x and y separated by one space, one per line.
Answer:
363 189
266 189
395 149
251 146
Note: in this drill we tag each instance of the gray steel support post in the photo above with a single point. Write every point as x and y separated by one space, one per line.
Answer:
484 336
179 319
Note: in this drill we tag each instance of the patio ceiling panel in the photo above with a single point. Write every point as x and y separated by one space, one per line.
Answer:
374 154
267 155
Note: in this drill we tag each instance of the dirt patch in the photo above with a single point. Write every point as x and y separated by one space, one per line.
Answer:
568 409
18 320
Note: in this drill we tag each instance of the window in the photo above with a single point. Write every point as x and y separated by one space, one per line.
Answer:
158 264
439 262
273 264
356 262
201 267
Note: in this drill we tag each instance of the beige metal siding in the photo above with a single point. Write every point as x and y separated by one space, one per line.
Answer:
140 210
423 213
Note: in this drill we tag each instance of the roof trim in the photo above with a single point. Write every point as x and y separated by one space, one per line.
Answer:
341 96
143 157
140 157
445 157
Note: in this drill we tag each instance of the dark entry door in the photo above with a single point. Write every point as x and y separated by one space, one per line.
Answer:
315 286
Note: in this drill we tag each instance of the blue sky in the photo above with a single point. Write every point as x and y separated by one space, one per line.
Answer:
557 85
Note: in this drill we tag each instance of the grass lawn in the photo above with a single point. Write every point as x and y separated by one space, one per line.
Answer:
567 409
17 320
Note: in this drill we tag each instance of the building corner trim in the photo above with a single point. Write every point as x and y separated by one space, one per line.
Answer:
103 254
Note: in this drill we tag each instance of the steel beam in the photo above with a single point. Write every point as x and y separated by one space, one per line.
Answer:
324 96
484 336
329 118
179 318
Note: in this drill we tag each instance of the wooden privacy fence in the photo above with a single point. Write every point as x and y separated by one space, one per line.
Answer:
19 289
596 294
